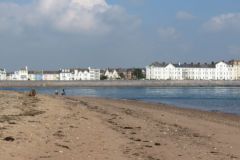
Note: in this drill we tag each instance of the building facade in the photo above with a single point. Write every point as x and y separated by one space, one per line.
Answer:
20 75
112 74
66 75
35 75
51 75
80 74
94 74
236 68
214 71
3 75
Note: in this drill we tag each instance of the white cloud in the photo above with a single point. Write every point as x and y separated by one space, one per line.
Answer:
81 16
168 33
183 15
229 21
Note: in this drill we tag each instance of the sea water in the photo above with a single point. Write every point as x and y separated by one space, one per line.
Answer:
218 99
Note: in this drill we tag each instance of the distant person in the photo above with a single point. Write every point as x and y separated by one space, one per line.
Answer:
56 92
32 93
63 92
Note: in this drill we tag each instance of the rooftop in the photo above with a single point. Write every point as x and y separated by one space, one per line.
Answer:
186 65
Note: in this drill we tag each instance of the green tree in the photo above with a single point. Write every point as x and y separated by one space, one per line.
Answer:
122 76
138 74
103 77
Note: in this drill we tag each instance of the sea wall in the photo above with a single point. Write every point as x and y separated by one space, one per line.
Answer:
120 83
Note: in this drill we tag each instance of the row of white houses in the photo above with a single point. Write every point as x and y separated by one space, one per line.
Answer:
214 71
67 74
63 74
79 74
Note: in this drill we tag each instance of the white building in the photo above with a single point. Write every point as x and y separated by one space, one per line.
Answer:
35 75
163 71
236 68
3 75
20 75
80 74
224 71
66 75
31 76
214 71
112 74
51 75
10 76
86 74
94 74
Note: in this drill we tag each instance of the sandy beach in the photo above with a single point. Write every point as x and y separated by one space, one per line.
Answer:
84 128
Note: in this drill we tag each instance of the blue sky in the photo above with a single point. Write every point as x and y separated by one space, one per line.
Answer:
116 33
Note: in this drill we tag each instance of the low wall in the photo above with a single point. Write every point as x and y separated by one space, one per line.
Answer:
119 83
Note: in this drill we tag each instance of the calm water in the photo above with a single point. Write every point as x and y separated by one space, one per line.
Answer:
224 99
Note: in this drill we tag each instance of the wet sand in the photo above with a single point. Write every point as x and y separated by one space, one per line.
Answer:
83 128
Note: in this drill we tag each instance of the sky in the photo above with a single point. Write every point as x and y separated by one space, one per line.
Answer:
54 34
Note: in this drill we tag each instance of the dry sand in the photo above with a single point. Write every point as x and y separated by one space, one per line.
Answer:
82 128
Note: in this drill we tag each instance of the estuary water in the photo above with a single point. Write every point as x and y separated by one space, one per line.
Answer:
217 99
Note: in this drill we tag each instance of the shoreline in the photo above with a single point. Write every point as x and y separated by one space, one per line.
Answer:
169 107
121 83
135 100
55 127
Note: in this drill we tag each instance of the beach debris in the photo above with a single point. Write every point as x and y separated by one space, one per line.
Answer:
233 157
84 103
157 144
152 158
3 128
136 154
63 146
84 118
9 139
72 126
43 157
214 152
148 146
32 93
59 134
32 113
135 139
196 135
10 122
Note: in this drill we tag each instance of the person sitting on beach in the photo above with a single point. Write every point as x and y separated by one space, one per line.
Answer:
56 92
32 93
63 92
